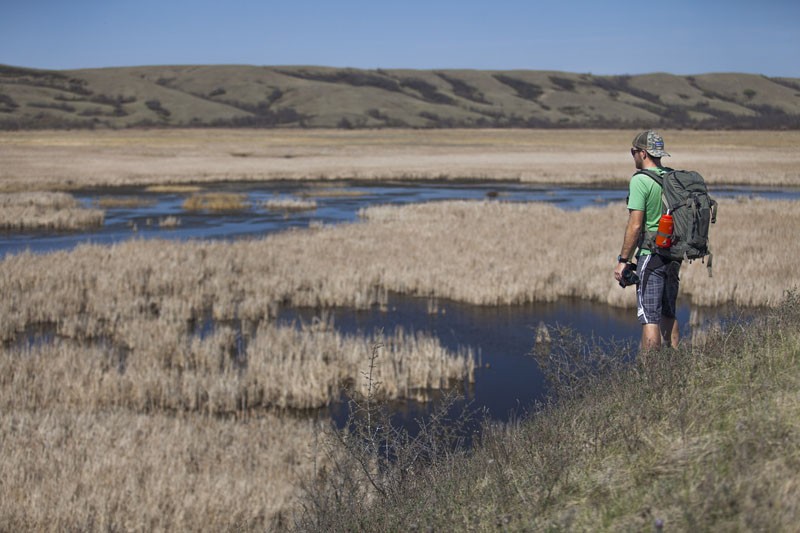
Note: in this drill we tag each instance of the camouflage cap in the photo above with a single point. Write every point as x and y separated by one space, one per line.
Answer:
651 142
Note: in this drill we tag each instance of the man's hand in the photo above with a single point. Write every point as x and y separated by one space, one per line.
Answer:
618 271
632 232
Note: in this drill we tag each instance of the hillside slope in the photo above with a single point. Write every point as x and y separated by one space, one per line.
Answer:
249 96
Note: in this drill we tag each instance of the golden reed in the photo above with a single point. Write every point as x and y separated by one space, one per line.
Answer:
111 470
46 210
488 253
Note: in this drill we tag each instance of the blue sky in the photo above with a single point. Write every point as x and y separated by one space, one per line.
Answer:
680 37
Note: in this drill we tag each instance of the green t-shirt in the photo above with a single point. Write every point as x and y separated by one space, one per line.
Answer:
645 195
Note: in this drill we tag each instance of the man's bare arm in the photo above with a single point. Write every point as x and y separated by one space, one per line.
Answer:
632 233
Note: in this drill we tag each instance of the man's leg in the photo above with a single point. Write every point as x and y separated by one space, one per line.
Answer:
670 332
649 295
651 337
666 333
669 306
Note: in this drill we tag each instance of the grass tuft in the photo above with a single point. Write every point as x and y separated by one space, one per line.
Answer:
216 201
169 222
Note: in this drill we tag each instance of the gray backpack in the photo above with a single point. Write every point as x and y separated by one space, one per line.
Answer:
685 197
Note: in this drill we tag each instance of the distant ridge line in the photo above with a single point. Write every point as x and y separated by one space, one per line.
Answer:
241 96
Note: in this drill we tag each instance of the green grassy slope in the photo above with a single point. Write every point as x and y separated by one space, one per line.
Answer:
248 96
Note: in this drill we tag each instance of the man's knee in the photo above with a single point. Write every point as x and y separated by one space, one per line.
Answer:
651 337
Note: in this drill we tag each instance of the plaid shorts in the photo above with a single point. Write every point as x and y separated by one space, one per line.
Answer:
657 292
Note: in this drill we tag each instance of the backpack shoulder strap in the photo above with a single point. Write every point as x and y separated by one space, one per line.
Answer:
658 179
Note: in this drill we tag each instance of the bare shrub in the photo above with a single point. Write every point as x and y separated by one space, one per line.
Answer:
373 462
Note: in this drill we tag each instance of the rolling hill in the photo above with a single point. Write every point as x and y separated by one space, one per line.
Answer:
298 96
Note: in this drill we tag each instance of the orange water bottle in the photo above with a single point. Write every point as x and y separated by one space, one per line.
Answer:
664 235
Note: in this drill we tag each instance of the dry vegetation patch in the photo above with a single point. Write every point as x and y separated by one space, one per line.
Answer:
46 210
151 364
216 201
169 222
111 469
128 201
56 160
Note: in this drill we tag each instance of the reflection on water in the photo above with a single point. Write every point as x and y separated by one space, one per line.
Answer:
136 212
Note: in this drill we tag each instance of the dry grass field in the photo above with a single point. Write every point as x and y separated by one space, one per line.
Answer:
69 469
65 160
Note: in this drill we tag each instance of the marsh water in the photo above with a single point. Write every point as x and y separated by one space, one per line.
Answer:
336 202
507 381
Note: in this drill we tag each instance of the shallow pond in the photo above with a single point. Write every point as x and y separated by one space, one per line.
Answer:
508 380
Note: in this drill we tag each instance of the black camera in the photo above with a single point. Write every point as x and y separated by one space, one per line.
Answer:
629 276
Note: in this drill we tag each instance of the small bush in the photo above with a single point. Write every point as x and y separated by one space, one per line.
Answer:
7 104
155 105
428 91
526 90
563 83
463 89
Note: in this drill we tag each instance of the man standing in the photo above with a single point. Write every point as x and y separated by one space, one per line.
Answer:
657 291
